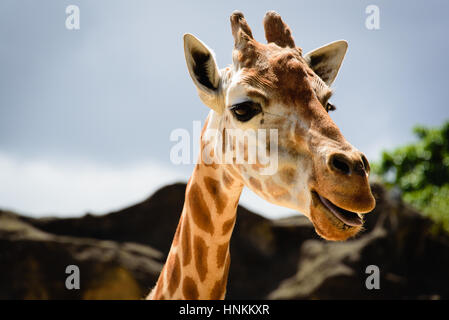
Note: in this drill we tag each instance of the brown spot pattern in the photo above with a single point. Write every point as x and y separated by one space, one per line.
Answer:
276 191
189 289
222 252
212 165
257 166
186 246
227 225
173 273
227 180
201 252
255 183
199 210
219 289
287 175
220 198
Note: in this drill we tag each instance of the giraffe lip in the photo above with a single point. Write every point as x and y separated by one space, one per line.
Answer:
347 217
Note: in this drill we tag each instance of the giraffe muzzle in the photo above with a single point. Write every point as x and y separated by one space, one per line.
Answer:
349 218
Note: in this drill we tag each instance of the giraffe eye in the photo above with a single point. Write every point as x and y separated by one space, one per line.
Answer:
330 107
246 110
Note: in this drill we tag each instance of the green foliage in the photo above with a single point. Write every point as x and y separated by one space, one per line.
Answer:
421 172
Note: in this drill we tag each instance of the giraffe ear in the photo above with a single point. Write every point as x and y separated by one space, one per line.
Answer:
203 69
326 61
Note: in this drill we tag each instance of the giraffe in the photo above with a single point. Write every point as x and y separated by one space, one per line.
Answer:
319 173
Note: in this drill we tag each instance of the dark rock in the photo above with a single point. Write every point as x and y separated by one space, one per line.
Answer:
279 259
33 264
257 243
398 240
152 222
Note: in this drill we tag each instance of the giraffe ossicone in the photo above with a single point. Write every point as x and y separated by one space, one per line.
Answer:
270 86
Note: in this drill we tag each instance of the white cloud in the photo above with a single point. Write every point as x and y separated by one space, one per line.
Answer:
68 188
61 187
254 203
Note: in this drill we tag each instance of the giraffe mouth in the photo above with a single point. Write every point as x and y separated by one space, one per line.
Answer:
349 218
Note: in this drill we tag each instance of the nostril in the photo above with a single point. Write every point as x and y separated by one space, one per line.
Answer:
365 164
339 163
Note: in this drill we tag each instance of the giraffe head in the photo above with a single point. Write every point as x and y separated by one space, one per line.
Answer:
275 86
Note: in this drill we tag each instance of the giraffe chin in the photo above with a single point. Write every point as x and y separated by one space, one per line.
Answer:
327 222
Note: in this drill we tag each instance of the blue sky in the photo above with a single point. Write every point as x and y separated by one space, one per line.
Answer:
86 115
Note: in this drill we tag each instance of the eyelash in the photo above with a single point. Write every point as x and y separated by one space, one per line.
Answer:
245 111
329 107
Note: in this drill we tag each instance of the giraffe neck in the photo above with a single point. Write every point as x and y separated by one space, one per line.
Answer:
197 265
